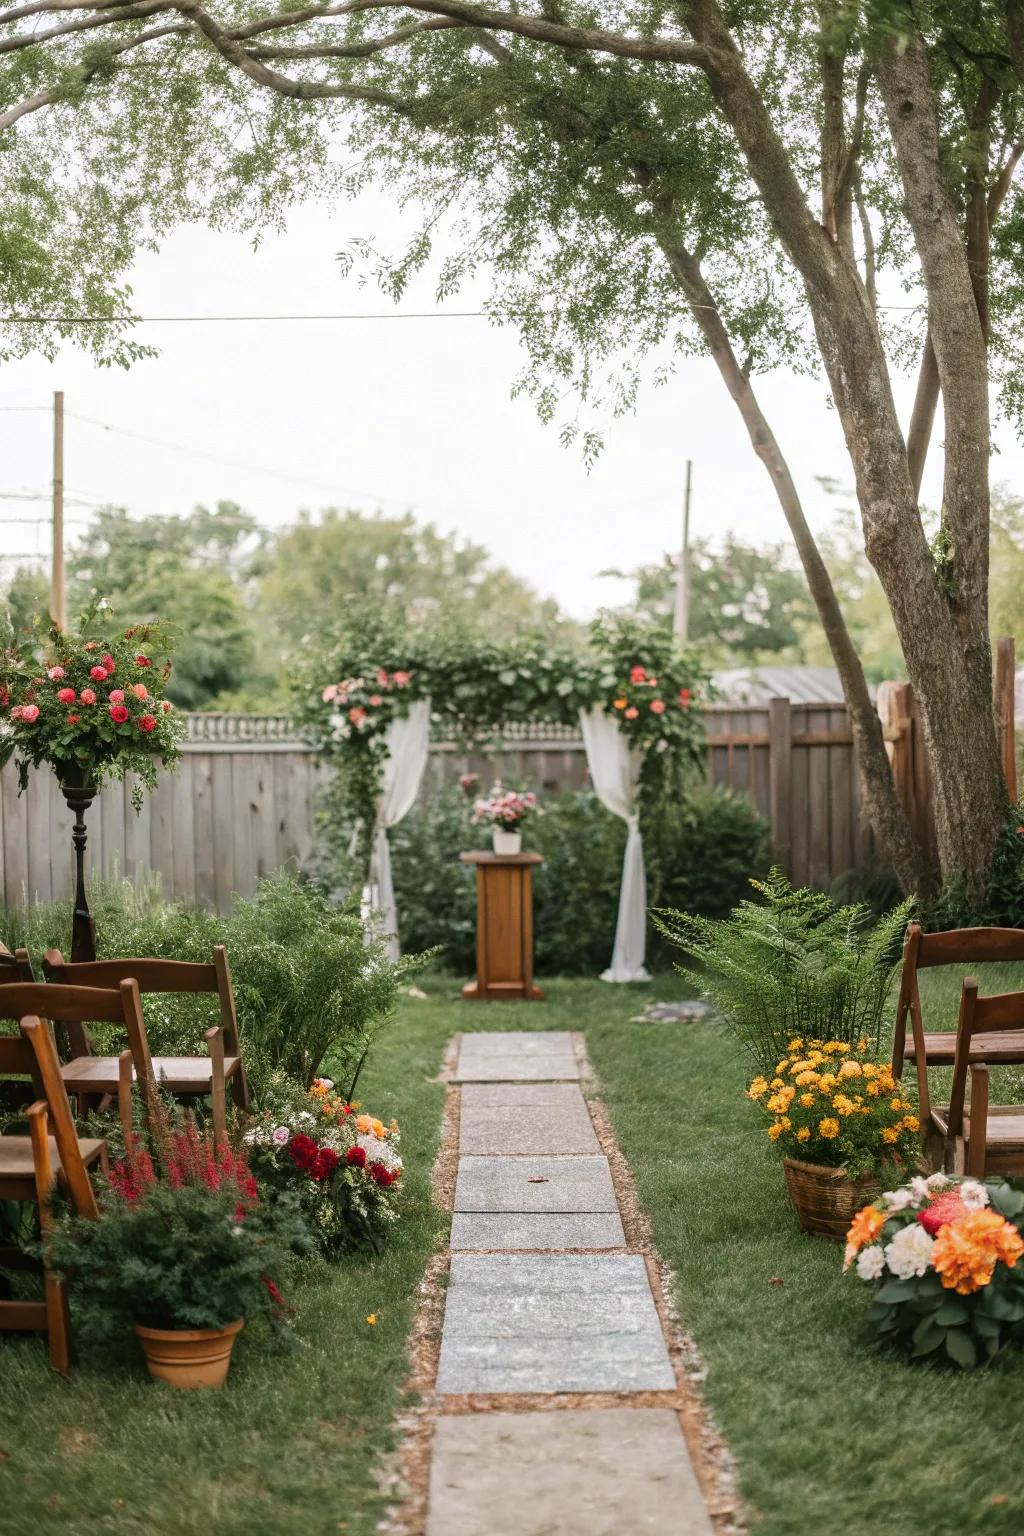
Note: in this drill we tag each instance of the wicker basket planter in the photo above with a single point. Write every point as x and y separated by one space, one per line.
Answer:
826 1199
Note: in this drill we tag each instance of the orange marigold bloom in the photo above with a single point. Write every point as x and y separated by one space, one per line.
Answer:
865 1227
966 1250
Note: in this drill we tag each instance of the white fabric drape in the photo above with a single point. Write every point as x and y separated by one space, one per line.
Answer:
613 769
408 738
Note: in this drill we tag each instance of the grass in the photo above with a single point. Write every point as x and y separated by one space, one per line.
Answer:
829 1435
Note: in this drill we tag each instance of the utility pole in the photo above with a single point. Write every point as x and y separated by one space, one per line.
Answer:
57 559
681 615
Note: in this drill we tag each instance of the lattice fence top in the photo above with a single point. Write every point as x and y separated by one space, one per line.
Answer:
223 728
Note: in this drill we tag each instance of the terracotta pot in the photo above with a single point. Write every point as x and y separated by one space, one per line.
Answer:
507 842
189 1357
826 1199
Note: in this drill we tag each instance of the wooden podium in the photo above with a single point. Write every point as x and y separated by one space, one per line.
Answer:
504 927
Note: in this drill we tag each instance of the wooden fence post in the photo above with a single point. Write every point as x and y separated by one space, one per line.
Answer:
780 754
1005 703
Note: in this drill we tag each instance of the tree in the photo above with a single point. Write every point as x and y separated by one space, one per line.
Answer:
742 181
188 570
745 603
409 569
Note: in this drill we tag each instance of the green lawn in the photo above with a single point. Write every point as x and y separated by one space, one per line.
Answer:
829 1437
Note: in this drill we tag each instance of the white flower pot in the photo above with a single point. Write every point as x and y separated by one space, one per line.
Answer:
507 842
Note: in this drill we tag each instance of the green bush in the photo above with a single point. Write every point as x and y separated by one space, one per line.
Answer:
1003 903
305 980
703 851
792 965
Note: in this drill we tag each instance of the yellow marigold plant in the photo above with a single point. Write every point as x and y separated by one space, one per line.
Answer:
828 1102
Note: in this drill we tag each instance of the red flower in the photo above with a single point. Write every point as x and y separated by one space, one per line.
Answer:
382 1176
29 713
166 706
326 1162
88 697
948 1207
658 706
98 674
118 714
302 1151
143 661
72 719
684 697
637 674
147 722
356 1157
5 697
109 663
66 695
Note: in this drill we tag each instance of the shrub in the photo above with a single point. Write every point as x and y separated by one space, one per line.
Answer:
703 851
1003 903
790 965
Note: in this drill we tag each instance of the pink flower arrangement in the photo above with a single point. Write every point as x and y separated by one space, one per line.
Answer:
506 809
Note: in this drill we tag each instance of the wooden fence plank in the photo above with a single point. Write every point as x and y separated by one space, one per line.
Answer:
183 829
780 760
205 886
223 834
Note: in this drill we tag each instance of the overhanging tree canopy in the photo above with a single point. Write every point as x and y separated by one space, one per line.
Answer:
747 180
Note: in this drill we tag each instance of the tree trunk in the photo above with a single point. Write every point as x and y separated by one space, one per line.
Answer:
898 844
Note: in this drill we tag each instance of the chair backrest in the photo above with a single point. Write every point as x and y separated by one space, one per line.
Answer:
1003 1011
32 1053
76 1006
155 975
16 967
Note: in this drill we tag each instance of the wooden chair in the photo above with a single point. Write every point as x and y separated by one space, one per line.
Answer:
981 1138
956 946
31 1165
184 1076
96 1079
16 967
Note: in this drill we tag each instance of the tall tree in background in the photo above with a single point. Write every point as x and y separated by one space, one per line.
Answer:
740 180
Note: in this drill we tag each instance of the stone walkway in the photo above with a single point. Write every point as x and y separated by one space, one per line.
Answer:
546 1298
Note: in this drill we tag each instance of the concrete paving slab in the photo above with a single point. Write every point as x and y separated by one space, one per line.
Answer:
520 1095
551 1323
513 1229
510 1056
507 1130
534 1184
577 1472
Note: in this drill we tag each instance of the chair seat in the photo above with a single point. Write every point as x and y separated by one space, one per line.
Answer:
1005 1125
1000 1048
178 1074
17 1170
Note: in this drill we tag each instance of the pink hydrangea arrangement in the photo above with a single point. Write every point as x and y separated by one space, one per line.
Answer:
506 809
93 706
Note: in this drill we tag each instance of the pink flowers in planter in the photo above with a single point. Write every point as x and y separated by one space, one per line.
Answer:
506 808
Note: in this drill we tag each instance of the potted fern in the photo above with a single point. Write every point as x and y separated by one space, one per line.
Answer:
803 985
183 1252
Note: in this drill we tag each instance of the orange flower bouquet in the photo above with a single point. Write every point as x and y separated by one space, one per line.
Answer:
942 1257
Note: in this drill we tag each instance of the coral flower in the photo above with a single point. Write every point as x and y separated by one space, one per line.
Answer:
72 719
98 674
88 697
400 679
966 1250
637 674
684 697
658 706
66 695
947 1208
29 713
865 1226
116 696
55 674
140 691
621 703
147 722
632 713
109 662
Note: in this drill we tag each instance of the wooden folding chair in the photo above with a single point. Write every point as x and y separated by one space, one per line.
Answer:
183 1076
16 967
95 1080
30 1166
981 1138
937 1048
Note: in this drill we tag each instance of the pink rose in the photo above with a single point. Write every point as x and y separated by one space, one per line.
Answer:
652 682
99 674
632 712
357 715
376 700
116 696
400 679
118 714
382 677
66 695
88 697
657 706
55 674
140 691
29 713
330 693
109 663
637 674
166 706
147 722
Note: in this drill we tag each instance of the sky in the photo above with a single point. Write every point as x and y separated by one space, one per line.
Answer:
396 414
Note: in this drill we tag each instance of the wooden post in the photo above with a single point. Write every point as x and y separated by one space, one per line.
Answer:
1005 707
780 756
504 927
57 559
681 614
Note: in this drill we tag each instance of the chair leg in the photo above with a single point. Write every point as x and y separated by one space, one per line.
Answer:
58 1322
124 1092
215 1043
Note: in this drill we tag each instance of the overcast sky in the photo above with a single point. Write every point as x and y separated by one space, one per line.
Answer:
396 414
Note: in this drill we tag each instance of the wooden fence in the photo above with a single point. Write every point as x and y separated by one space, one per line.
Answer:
242 803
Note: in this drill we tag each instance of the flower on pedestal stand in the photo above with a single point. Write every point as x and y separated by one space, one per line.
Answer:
506 810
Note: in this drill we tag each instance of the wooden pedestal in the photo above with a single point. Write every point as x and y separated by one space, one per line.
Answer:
504 927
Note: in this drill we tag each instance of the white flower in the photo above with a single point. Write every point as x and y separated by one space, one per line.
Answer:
937 1182
898 1199
379 1152
236 1231
910 1252
282 1136
871 1262
919 1190
326 1083
305 1118
973 1194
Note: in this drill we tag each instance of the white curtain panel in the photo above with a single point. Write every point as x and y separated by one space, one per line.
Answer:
408 739
613 769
